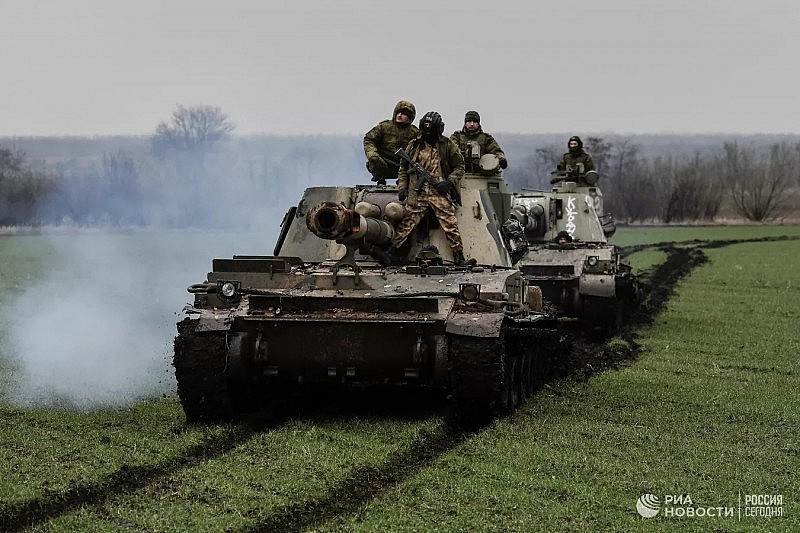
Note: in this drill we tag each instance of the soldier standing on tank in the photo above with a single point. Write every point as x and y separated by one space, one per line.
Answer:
472 132
382 141
575 162
441 158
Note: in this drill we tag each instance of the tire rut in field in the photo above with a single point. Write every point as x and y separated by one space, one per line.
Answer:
588 357
698 243
364 484
53 504
584 356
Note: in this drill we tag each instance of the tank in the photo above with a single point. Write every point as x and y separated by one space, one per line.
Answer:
327 308
568 254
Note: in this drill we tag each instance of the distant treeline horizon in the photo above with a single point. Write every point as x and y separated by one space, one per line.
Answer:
238 180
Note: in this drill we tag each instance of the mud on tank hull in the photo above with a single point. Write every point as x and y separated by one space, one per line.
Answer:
588 283
354 311
389 327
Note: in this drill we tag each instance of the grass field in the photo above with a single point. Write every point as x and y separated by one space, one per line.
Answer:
709 409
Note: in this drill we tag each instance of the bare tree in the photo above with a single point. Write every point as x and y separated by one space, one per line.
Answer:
534 172
600 150
119 177
759 180
630 187
191 129
690 189
23 191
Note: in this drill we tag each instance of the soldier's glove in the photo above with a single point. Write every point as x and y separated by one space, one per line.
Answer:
503 164
402 195
444 187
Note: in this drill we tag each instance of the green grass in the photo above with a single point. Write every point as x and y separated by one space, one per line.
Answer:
630 235
144 467
709 409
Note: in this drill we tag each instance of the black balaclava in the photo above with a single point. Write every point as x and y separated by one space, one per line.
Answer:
578 148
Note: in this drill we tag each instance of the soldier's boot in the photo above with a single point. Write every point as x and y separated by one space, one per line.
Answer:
379 180
461 261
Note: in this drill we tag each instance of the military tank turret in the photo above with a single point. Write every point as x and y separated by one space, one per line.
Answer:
325 309
568 254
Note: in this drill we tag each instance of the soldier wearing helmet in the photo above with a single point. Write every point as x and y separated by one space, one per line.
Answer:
473 133
382 141
442 159
575 163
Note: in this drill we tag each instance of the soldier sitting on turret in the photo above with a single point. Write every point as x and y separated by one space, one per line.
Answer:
576 165
381 142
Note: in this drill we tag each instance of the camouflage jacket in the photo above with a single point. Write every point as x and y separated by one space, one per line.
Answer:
452 166
486 142
386 137
571 160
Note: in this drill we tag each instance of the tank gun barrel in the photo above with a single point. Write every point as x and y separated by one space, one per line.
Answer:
328 220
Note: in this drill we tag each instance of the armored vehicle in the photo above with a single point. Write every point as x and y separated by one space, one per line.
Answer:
568 253
325 309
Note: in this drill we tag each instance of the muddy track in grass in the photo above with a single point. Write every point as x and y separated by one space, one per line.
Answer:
321 406
697 243
577 357
585 356
588 357
364 484
53 504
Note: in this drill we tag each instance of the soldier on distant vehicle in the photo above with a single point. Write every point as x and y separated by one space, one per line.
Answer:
472 132
441 158
382 141
575 164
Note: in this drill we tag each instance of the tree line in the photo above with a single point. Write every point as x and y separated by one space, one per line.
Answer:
192 172
756 179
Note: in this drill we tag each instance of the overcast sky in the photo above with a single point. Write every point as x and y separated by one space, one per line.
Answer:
81 67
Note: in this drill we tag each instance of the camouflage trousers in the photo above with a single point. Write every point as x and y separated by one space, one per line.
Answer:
445 212
382 173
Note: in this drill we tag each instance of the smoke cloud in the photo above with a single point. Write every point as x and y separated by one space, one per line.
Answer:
91 325
96 329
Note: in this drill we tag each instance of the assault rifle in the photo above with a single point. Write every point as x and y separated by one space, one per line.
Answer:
423 176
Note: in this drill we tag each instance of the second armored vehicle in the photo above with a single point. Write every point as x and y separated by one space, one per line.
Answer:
568 253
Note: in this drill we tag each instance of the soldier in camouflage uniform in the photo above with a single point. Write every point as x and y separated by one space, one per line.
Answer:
382 141
575 163
472 131
442 159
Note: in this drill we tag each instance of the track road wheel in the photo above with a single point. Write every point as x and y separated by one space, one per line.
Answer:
199 363
479 381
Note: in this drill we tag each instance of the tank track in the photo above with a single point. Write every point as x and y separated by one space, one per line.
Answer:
491 377
541 350
200 369
478 382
